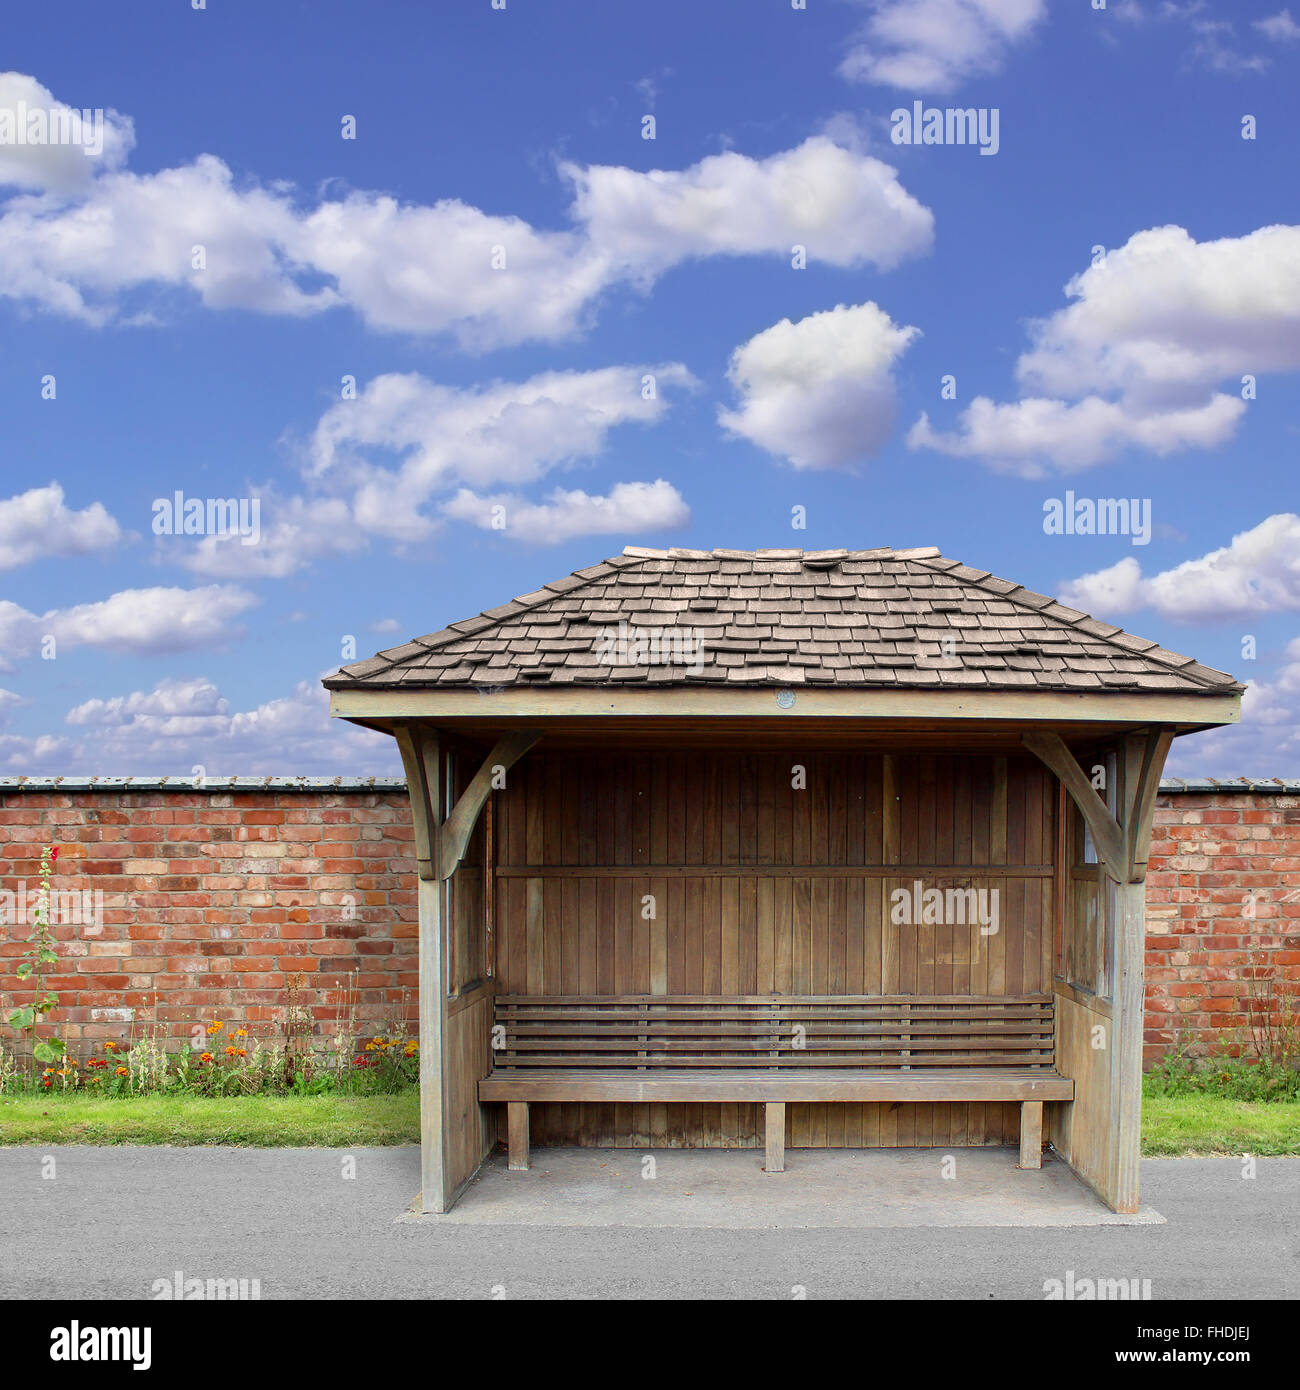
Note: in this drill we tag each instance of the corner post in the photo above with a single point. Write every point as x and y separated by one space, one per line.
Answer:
421 759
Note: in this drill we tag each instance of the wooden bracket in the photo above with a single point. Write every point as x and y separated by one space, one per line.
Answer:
1122 844
440 845
1144 760
453 838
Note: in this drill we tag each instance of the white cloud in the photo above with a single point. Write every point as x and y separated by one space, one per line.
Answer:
1021 436
297 531
183 723
1265 744
933 45
846 208
449 438
629 509
489 280
1215 44
35 524
1154 328
45 145
136 621
1258 573
1165 316
1280 27
819 392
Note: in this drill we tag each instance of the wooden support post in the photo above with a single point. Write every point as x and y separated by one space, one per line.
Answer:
433 1191
1126 1037
775 1125
517 1124
422 763
1031 1134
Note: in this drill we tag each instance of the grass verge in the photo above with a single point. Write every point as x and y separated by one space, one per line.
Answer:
1179 1126
253 1121
1184 1126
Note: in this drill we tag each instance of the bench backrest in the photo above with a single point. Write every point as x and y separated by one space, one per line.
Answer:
860 1031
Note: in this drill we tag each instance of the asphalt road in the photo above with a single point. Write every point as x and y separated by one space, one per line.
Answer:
113 1221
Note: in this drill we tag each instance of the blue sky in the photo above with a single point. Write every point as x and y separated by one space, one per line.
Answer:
1099 289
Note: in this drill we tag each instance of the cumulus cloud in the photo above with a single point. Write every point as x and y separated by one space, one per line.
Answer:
1215 44
1134 361
297 531
1257 573
135 621
1022 436
502 435
1265 744
845 207
36 523
48 146
447 268
1279 27
184 723
934 45
629 509
408 454
819 392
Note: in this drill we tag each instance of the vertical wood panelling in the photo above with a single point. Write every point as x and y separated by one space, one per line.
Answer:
579 837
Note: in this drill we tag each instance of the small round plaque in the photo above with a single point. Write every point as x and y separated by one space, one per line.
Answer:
785 698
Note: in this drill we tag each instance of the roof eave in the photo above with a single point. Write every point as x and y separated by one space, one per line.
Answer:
1197 710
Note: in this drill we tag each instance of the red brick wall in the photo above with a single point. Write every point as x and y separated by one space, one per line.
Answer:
1210 852
211 898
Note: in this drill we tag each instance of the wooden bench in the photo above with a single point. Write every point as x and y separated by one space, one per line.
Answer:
773 1050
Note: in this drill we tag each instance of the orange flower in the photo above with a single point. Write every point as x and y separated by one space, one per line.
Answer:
122 1071
241 1052
205 1057
231 1050
215 1027
241 1032
110 1047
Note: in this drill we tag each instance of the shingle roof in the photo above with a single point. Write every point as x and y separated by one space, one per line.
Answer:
852 618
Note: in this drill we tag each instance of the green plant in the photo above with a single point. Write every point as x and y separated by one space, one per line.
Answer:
36 961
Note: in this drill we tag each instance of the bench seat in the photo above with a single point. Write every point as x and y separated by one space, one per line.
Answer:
939 1084
774 1050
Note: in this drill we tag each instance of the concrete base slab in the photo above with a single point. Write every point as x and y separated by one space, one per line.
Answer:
821 1188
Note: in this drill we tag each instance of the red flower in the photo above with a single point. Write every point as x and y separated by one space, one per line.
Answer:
54 853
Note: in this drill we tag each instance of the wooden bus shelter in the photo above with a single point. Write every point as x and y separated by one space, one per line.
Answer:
782 848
